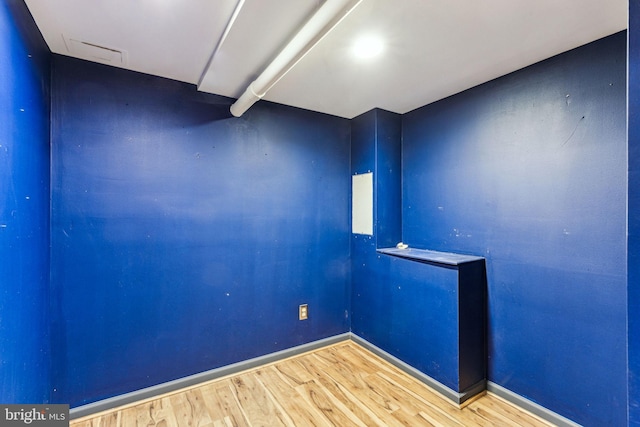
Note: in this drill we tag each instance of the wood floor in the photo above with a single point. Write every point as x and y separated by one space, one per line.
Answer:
340 385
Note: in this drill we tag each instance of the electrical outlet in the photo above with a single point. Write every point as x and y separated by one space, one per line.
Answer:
303 312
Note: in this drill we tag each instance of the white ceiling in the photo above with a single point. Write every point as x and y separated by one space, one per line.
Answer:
433 48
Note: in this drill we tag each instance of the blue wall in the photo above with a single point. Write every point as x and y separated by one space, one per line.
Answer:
24 208
529 171
182 239
634 212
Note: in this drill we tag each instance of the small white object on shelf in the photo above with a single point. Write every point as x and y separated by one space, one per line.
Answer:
402 246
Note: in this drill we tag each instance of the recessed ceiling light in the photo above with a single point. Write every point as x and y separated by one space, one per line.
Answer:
368 46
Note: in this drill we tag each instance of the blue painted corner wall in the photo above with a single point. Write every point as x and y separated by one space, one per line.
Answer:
633 248
529 171
184 239
24 208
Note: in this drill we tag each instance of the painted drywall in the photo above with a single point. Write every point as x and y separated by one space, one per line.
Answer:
371 299
529 171
376 147
184 239
24 208
411 309
634 212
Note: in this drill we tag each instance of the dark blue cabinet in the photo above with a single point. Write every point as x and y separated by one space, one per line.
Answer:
438 323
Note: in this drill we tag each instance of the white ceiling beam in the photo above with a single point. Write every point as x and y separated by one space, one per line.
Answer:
330 14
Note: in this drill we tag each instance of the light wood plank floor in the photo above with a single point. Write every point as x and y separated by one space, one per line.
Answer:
340 385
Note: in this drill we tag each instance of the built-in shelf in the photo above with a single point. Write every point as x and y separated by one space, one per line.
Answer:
434 257
451 288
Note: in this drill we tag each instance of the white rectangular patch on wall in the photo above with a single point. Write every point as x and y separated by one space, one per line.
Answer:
362 204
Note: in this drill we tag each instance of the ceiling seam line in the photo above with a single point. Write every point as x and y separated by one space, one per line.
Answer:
227 29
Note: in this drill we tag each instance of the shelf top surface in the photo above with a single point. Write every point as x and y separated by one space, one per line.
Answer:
426 255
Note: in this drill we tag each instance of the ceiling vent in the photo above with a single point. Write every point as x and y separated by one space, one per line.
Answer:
95 52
